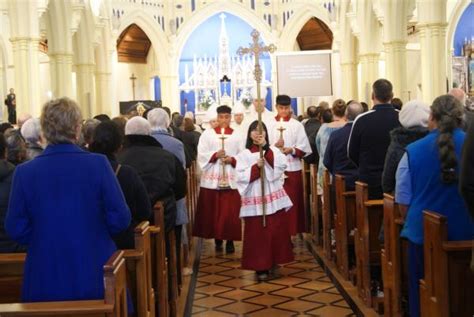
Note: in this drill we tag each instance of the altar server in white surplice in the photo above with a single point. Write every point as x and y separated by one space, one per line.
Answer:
238 113
264 247
295 146
267 116
217 214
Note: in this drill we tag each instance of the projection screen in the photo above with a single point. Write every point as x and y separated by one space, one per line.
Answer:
304 74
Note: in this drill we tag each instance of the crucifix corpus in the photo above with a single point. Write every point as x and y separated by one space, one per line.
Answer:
133 78
256 48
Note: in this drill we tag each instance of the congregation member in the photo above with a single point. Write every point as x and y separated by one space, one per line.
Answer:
217 212
16 145
88 128
31 132
294 145
108 141
4 126
460 95
427 179
335 156
466 182
258 105
311 127
160 122
338 121
267 246
102 117
397 103
22 119
66 216
10 102
161 172
7 245
191 138
370 137
414 125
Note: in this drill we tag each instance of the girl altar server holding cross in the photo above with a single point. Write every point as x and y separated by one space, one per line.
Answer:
263 247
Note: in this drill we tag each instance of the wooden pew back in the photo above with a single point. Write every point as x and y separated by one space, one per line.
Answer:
345 222
327 215
315 206
11 276
392 257
369 214
447 287
114 303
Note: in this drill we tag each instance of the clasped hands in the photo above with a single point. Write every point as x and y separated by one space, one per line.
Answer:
223 157
281 145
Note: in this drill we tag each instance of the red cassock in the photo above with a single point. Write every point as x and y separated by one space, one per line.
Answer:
265 247
217 215
295 216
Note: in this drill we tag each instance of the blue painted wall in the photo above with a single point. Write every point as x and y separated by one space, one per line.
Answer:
464 29
204 41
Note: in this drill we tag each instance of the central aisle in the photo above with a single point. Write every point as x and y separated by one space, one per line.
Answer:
221 288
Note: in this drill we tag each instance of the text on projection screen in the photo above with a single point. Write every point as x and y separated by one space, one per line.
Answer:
301 75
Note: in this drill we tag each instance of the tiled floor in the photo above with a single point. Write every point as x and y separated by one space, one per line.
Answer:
302 288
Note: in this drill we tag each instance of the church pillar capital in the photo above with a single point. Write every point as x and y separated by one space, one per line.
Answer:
432 27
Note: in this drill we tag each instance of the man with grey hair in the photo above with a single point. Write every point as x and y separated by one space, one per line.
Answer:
460 95
161 172
31 132
159 122
335 157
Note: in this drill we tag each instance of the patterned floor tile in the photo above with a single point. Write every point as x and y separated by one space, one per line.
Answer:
299 288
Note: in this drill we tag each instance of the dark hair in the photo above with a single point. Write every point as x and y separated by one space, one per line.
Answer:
383 90
16 147
365 106
107 139
397 103
145 113
283 100
339 107
312 112
177 121
448 113
224 109
102 117
5 126
121 122
300 118
189 125
327 116
3 146
254 126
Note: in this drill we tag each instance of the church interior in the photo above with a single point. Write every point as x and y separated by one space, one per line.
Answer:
201 60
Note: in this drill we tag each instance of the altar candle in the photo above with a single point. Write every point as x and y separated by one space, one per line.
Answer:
281 122
222 131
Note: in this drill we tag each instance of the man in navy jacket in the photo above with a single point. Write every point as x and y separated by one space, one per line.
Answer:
370 137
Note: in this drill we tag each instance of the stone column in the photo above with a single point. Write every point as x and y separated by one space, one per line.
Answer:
170 92
369 63
62 74
103 95
348 56
432 32
396 15
24 23
85 89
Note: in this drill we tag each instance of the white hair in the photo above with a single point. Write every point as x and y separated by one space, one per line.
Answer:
158 119
31 130
189 114
138 125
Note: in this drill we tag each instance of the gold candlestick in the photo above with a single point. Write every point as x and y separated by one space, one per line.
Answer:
223 183
281 129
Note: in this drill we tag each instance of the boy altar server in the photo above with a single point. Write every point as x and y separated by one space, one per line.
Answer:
264 247
217 214
289 136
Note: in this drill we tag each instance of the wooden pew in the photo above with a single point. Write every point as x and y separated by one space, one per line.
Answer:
315 206
114 303
305 174
327 215
171 268
393 256
345 222
447 288
159 266
141 277
369 214
11 276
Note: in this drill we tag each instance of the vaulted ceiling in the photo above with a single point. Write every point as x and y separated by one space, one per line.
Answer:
133 45
315 35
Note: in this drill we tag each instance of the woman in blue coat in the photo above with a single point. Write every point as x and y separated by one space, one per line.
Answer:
65 204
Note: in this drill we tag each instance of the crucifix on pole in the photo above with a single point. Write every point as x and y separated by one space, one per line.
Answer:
256 48
133 78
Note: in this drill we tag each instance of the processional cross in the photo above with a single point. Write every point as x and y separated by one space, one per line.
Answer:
133 78
256 48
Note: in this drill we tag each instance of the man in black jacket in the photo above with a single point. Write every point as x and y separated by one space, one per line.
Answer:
370 137
311 128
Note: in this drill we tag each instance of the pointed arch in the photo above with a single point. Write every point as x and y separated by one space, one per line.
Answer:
296 22
157 37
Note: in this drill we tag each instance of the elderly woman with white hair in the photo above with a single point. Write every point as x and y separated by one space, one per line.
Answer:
414 120
31 132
